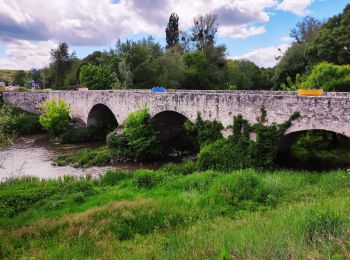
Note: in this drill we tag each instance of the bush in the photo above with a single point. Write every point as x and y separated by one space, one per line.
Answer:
55 117
137 139
223 155
113 177
86 158
24 124
238 151
79 135
328 76
204 131
22 194
324 225
16 121
179 169
244 189
147 178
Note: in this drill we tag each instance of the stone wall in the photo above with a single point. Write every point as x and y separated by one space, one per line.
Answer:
329 112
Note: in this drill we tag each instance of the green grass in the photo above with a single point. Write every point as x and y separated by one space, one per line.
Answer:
175 213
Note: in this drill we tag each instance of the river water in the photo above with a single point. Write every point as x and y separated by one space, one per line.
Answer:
32 156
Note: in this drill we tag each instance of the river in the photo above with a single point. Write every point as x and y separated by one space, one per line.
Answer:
32 156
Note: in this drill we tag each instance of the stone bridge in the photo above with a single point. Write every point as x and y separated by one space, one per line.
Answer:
330 112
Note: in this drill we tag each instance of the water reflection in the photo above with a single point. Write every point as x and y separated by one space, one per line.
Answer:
32 156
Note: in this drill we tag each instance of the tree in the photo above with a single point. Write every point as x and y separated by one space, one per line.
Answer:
332 43
171 68
55 116
186 42
95 77
293 62
195 70
172 31
328 76
20 78
204 30
124 74
61 63
306 30
244 74
142 58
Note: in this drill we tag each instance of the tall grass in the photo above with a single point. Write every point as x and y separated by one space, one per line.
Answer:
167 214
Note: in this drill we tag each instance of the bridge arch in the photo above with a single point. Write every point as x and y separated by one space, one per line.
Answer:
290 138
169 124
101 116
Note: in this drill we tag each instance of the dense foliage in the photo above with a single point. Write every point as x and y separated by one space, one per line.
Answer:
239 151
94 77
204 131
332 43
15 122
137 139
328 77
55 116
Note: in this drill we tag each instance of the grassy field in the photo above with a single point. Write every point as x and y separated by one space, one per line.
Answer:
175 213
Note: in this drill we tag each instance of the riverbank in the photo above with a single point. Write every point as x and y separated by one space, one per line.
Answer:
175 213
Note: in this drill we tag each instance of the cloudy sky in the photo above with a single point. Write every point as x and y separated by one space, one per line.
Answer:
252 29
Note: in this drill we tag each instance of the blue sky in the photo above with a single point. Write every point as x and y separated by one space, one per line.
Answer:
249 29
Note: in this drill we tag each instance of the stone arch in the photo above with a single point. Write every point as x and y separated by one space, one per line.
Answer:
169 124
101 116
290 138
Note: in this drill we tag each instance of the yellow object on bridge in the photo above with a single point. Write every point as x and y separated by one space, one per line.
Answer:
310 92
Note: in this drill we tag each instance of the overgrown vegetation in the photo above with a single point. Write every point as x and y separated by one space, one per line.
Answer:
328 77
137 139
16 122
238 151
320 149
176 214
55 116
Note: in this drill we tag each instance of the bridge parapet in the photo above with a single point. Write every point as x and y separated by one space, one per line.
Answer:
329 112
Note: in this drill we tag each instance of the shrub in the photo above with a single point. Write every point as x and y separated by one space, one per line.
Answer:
137 139
328 76
243 190
204 131
140 133
24 124
147 178
238 151
55 116
223 155
113 177
79 135
179 169
324 225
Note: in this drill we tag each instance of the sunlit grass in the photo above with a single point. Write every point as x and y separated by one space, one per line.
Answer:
199 215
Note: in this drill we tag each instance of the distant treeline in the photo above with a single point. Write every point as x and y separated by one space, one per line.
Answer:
193 60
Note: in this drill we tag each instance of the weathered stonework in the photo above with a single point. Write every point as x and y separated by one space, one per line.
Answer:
329 112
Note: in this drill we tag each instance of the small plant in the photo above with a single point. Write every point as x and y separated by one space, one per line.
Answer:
147 178
179 169
324 225
113 177
55 116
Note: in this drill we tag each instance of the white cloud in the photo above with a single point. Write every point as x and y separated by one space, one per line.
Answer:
100 22
298 7
241 32
25 55
264 57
